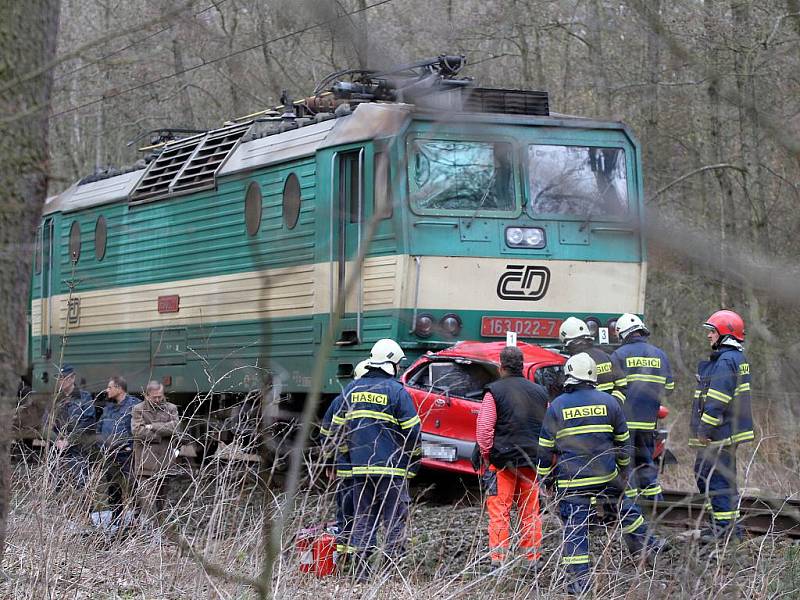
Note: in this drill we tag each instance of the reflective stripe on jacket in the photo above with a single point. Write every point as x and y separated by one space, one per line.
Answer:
585 431
381 428
610 376
649 378
721 410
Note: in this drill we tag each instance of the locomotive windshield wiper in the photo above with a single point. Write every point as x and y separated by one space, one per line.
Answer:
483 200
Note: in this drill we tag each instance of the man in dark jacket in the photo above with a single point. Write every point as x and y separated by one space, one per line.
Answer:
649 380
584 452
70 424
115 441
508 428
381 429
722 419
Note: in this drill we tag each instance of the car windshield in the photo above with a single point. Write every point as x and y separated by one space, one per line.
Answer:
465 380
461 177
577 180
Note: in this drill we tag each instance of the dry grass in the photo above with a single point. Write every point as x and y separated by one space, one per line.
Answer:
217 512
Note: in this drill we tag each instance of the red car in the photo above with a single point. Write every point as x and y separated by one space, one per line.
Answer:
448 386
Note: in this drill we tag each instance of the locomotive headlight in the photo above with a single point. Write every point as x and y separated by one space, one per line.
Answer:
423 327
612 328
451 324
525 237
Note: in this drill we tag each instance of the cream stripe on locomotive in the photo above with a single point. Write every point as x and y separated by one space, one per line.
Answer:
445 283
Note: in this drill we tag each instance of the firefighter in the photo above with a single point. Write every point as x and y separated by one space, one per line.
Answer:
575 337
508 428
381 428
649 380
721 420
584 454
333 447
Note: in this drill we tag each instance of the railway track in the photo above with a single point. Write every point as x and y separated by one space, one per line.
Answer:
759 515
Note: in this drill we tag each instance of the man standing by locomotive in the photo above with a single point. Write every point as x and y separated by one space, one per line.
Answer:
649 379
153 423
115 441
721 420
508 428
576 338
70 424
381 428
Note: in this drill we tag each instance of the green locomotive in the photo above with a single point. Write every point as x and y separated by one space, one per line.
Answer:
218 262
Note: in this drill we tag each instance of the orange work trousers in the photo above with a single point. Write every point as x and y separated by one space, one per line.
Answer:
515 485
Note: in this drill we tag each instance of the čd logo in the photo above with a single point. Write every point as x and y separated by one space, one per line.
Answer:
523 282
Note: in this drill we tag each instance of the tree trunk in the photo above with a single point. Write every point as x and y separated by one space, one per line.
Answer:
27 40
187 115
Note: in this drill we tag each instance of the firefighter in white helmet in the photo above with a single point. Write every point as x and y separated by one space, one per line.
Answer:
337 456
584 453
576 338
649 378
376 419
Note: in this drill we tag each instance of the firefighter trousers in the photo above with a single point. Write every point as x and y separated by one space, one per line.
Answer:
644 472
577 510
345 512
380 498
715 470
514 485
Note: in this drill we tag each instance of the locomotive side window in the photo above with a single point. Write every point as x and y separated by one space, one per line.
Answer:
291 200
448 176
100 237
578 180
75 242
351 185
252 208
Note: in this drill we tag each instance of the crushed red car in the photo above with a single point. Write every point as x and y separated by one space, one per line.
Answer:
448 386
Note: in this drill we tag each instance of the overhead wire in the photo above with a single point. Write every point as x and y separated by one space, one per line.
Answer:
216 60
132 44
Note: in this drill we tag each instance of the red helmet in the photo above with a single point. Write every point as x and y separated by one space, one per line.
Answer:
726 322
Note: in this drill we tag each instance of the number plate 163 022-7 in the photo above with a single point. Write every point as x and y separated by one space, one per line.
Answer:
524 327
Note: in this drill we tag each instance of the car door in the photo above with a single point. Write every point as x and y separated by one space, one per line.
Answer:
448 393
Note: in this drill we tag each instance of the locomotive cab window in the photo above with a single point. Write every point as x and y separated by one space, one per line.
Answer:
580 181
461 177
384 202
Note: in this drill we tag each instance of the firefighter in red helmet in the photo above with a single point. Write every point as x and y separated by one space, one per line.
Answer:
721 420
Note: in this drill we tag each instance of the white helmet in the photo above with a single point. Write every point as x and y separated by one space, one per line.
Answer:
360 370
580 368
386 354
627 324
572 330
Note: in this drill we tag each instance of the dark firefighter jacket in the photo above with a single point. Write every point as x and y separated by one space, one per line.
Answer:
520 405
610 376
334 446
380 425
721 410
649 379
585 431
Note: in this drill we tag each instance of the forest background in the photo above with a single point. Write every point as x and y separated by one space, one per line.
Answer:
709 87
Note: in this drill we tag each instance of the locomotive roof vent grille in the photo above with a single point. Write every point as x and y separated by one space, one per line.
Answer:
509 102
189 165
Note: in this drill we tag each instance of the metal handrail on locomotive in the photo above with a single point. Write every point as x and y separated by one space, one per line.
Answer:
215 262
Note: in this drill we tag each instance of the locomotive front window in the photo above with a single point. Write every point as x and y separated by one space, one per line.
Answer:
461 177
577 180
